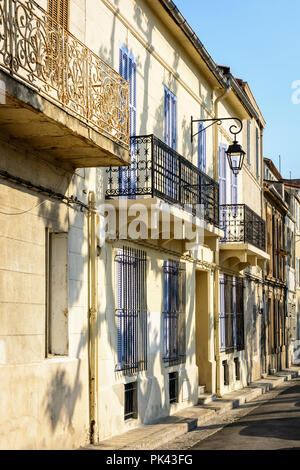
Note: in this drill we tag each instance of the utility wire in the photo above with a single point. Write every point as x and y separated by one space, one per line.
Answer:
23 212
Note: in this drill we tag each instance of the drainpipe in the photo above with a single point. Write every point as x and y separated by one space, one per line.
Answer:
217 258
92 314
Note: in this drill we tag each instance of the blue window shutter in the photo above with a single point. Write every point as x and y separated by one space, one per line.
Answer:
174 123
166 308
234 186
222 174
201 148
167 116
132 102
234 313
222 313
170 119
204 152
120 307
121 61
200 145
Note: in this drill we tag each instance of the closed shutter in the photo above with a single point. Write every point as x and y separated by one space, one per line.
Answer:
170 119
234 184
222 174
120 311
201 148
59 11
181 311
127 69
174 302
229 313
222 314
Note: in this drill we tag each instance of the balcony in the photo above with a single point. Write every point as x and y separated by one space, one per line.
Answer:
244 242
162 177
56 94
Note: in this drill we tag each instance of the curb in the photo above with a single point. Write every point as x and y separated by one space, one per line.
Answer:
152 436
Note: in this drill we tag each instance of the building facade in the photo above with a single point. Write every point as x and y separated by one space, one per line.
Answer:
52 132
136 268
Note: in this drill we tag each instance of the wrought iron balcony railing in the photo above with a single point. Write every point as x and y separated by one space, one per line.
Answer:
40 52
159 171
241 224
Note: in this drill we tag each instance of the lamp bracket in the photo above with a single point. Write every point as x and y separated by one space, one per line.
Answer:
217 121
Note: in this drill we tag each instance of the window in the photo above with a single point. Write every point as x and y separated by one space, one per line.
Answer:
237 368
225 372
173 387
57 337
170 116
201 148
130 408
59 11
131 310
174 286
127 69
231 314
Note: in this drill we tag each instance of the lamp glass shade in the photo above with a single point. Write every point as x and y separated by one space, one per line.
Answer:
235 155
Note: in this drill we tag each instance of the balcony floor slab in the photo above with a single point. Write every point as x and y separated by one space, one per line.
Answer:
27 116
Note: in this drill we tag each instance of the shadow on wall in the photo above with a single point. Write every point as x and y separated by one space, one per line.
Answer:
251 324
65 385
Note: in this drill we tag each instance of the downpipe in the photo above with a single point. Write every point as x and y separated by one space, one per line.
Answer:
92 315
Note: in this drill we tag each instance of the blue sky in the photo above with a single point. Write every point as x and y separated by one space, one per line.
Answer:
260 41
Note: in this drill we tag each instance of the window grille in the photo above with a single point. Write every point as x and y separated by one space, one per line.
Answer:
131 310
237 368
130 407
174 312
225 372
231 314
173 387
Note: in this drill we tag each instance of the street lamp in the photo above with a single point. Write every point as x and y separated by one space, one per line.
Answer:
235 153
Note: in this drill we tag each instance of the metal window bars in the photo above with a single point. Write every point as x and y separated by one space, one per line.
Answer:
174 322
130 405
131 311
232 336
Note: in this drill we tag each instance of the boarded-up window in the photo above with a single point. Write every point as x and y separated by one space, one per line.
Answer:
57 294
59 11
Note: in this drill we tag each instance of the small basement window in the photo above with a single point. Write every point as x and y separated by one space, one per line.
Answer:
173 387
225 372
237 368
130 408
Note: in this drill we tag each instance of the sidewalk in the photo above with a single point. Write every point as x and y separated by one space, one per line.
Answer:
150 437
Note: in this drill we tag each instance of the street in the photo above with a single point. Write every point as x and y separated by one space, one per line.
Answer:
272 424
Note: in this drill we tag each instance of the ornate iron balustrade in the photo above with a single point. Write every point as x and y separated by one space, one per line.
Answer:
241 224
39 51
157 170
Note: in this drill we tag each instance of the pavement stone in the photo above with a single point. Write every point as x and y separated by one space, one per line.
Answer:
152 436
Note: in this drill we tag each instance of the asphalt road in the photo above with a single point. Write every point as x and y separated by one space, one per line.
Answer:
270 426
